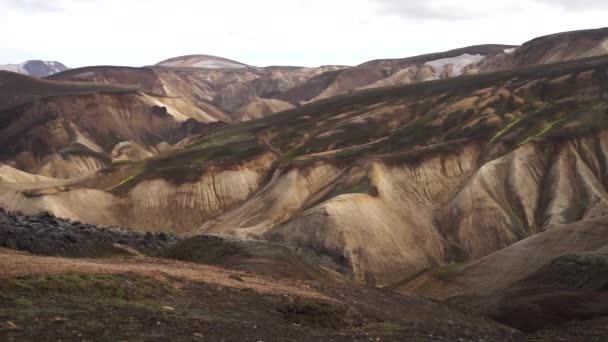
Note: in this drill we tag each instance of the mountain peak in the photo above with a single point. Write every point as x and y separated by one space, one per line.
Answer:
202 61
35 68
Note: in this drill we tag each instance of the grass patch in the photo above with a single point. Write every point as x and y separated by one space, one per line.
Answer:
545 130
447 271
505 130
24 302
137 169
27 290
189 164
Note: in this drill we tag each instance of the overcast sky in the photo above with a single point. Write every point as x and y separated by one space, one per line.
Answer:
271 32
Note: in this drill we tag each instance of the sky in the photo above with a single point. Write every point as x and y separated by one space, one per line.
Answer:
275 32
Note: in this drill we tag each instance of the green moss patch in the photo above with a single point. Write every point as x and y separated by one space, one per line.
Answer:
27 290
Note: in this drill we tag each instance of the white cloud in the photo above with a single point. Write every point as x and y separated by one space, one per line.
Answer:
265 32
31 5
446 9
577 5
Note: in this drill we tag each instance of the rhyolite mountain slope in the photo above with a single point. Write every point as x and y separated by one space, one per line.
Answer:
477 177
469 60
35 68
68 129
379 185
225 94
232 91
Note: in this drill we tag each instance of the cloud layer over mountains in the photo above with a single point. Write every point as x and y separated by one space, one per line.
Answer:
270 32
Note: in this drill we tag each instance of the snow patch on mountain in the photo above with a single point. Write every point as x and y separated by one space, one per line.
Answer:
35 68
206 64
203 62
210 64
458 64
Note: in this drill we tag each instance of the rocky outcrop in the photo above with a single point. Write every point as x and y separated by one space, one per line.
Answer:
45 234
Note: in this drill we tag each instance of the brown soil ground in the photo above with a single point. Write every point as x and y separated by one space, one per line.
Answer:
146 299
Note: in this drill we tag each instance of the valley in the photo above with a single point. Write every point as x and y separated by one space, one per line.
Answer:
460 195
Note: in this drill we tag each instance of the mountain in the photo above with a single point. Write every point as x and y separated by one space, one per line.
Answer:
474 177
415 162
225 94
68 129
231 90
35 68
201 61
469 60
187 301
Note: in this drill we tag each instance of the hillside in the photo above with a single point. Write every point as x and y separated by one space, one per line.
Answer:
224 94
63 129
324 202
404 160
46 296
230 91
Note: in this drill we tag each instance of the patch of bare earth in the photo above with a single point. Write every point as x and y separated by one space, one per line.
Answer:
14 264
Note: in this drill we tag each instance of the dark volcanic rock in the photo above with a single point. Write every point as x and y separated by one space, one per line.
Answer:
46 234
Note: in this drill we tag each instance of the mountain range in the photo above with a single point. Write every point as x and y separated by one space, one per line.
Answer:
35 68
475 178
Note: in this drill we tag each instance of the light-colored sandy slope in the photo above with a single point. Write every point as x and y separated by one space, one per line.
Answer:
502 269
11 175
259 108
376 237
86 205
536 186
183 109
439 208
12 179
443 208
407 75
147 205
366 236
70 166
151 205
283 197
